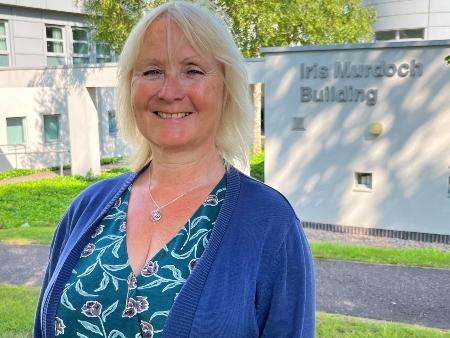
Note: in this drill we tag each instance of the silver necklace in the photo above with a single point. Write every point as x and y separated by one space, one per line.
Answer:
156 214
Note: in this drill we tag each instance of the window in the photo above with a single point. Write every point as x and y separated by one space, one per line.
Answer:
112 122
80 46
403 34
449 186
55 46
411 34
363 182
384 36
51 128
14 130
103 53
4 57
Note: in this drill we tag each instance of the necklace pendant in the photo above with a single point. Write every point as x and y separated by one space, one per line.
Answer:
155 215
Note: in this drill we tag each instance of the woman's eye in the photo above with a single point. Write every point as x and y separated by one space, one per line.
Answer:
151 72
195 72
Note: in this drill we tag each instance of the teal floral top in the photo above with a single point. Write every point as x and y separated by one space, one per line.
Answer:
103 298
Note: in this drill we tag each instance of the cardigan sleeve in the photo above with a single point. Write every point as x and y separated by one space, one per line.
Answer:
55 250
286 306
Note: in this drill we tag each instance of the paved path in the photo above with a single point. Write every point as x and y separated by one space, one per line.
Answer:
393 293
33 177
388 292
54 173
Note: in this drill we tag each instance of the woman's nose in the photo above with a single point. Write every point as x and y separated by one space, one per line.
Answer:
171 89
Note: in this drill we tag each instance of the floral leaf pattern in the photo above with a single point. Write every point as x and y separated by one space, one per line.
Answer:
106 299
109 310
91 327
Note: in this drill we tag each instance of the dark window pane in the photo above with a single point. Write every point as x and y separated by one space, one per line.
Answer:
411 34
3 44
53 33
104 59
112 122
55 61
14 131
386 35
79 34
4 60
102 49
51 128
80 48
80 61
54 47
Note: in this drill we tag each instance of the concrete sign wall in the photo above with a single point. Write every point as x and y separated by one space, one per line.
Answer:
321 104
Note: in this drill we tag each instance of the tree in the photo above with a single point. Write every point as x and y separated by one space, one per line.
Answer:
111 21
448 60
255 24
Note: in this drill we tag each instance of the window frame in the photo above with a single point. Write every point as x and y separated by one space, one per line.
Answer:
410 29
362 187
48 54
58 119
114 133
87 42
5 52
448 191
103 56
386 31
24 138
397 34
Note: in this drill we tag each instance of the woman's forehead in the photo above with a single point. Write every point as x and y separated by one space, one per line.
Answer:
164 38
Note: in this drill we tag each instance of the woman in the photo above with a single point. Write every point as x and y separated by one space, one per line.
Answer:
185 246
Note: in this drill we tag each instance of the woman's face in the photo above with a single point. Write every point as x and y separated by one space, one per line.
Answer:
176 93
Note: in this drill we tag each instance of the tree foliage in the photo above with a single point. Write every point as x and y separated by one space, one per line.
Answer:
298 22
111 21
256 23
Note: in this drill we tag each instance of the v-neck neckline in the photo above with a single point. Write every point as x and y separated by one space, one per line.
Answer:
166 248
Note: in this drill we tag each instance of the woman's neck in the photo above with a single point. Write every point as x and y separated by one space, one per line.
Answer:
168 170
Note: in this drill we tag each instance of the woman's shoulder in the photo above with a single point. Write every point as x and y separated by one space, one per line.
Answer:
259 194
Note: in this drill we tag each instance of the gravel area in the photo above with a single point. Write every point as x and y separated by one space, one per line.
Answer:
315 235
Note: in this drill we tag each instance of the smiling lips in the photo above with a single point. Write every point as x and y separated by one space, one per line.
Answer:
172 116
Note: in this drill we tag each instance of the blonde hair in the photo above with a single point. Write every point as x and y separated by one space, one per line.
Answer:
205 30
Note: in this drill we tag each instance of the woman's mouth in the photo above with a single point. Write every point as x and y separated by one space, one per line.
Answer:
171 116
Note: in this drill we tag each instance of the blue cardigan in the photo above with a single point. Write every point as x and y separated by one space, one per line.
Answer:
255 278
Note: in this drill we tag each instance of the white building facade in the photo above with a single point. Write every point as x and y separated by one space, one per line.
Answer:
39 33
47 58
408 20
358 135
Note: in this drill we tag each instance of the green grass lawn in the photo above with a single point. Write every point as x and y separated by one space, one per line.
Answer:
338 326
17 308
42 203
257 166
412 257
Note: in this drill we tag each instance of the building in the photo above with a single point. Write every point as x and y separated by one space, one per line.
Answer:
39 33
46 62
411 20
357 136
